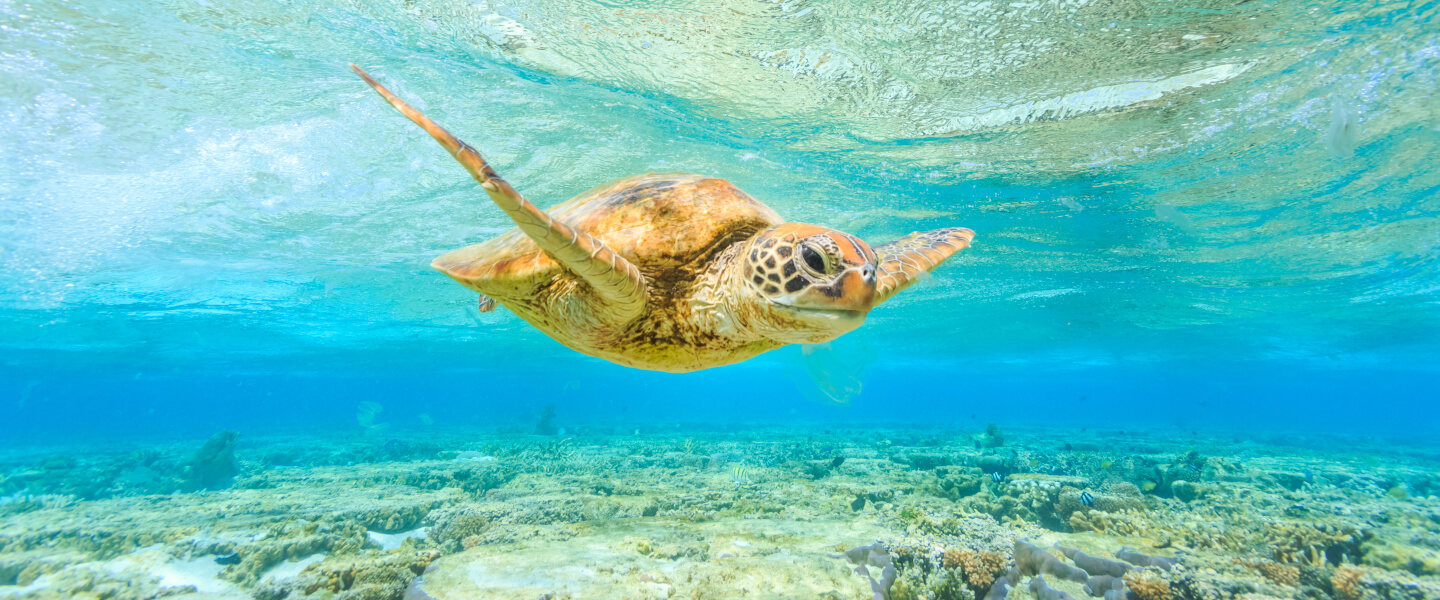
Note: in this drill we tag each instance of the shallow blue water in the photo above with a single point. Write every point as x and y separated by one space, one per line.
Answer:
1203 214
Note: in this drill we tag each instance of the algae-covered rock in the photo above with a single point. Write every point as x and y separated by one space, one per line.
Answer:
1187 491
213 465
372 576
926 462
1393 556
956 487
452 526
992 438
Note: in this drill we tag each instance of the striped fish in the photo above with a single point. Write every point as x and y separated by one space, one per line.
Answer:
740 474
1087 498
997 477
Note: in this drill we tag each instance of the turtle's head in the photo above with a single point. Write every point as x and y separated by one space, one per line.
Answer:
818 282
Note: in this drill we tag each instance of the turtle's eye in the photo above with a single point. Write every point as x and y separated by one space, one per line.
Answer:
814 260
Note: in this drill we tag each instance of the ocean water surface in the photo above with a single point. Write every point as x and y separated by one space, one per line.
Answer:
1201 226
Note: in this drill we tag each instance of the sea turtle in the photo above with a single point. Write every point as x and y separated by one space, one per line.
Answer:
673 271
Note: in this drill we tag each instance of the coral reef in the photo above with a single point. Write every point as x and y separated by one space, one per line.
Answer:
546 424
992 438
1275 572
662 516
1148 587
1346 583
979 568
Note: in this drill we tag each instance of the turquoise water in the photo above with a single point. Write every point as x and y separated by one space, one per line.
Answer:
1203 214
1199 320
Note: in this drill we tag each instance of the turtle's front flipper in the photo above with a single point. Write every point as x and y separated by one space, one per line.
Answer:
613 277
902 260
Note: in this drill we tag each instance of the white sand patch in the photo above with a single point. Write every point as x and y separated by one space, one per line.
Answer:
40 583
203 572
392 541
290 568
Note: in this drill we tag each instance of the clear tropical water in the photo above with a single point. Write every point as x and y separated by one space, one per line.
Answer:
1200 317
1186 212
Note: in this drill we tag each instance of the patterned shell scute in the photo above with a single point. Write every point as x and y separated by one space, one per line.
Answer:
656 221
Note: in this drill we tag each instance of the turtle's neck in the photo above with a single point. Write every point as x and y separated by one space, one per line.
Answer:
738 312
723 303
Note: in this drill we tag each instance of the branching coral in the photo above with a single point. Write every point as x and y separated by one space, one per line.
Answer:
1113 523
1313 543
980 568
1346 583
1276 572
1148 588
458 526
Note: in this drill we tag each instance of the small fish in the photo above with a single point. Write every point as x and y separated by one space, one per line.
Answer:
1087 498
740 474
839 460
977 444
230 559
1147 486
997 477
1193 468
1105 464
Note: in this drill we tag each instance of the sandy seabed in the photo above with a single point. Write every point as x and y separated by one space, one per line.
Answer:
721 512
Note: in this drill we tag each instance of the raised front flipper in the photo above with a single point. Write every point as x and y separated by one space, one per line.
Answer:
613 277
902 260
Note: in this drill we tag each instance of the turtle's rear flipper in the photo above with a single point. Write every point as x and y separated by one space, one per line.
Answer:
487 303
618 282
